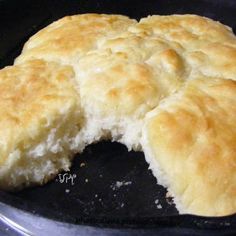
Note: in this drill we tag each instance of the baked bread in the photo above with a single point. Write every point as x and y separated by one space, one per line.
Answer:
189 142
164 85
40 116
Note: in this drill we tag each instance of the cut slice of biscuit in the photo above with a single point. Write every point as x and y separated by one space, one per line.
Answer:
40 117
71 37
189 141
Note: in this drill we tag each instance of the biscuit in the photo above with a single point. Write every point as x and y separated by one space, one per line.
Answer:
40 116
189 141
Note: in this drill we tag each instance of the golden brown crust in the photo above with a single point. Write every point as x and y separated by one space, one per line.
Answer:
192 138
73 36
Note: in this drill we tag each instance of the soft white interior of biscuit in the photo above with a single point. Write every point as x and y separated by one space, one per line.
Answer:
126 130
42 161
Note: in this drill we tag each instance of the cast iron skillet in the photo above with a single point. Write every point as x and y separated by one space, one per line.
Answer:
112 187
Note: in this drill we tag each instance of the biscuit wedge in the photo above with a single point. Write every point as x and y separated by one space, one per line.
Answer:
40 118
189 142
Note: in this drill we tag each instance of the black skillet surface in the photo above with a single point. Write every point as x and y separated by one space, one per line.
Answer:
112 187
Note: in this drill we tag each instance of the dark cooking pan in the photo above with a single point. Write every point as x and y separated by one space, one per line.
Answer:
108 187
